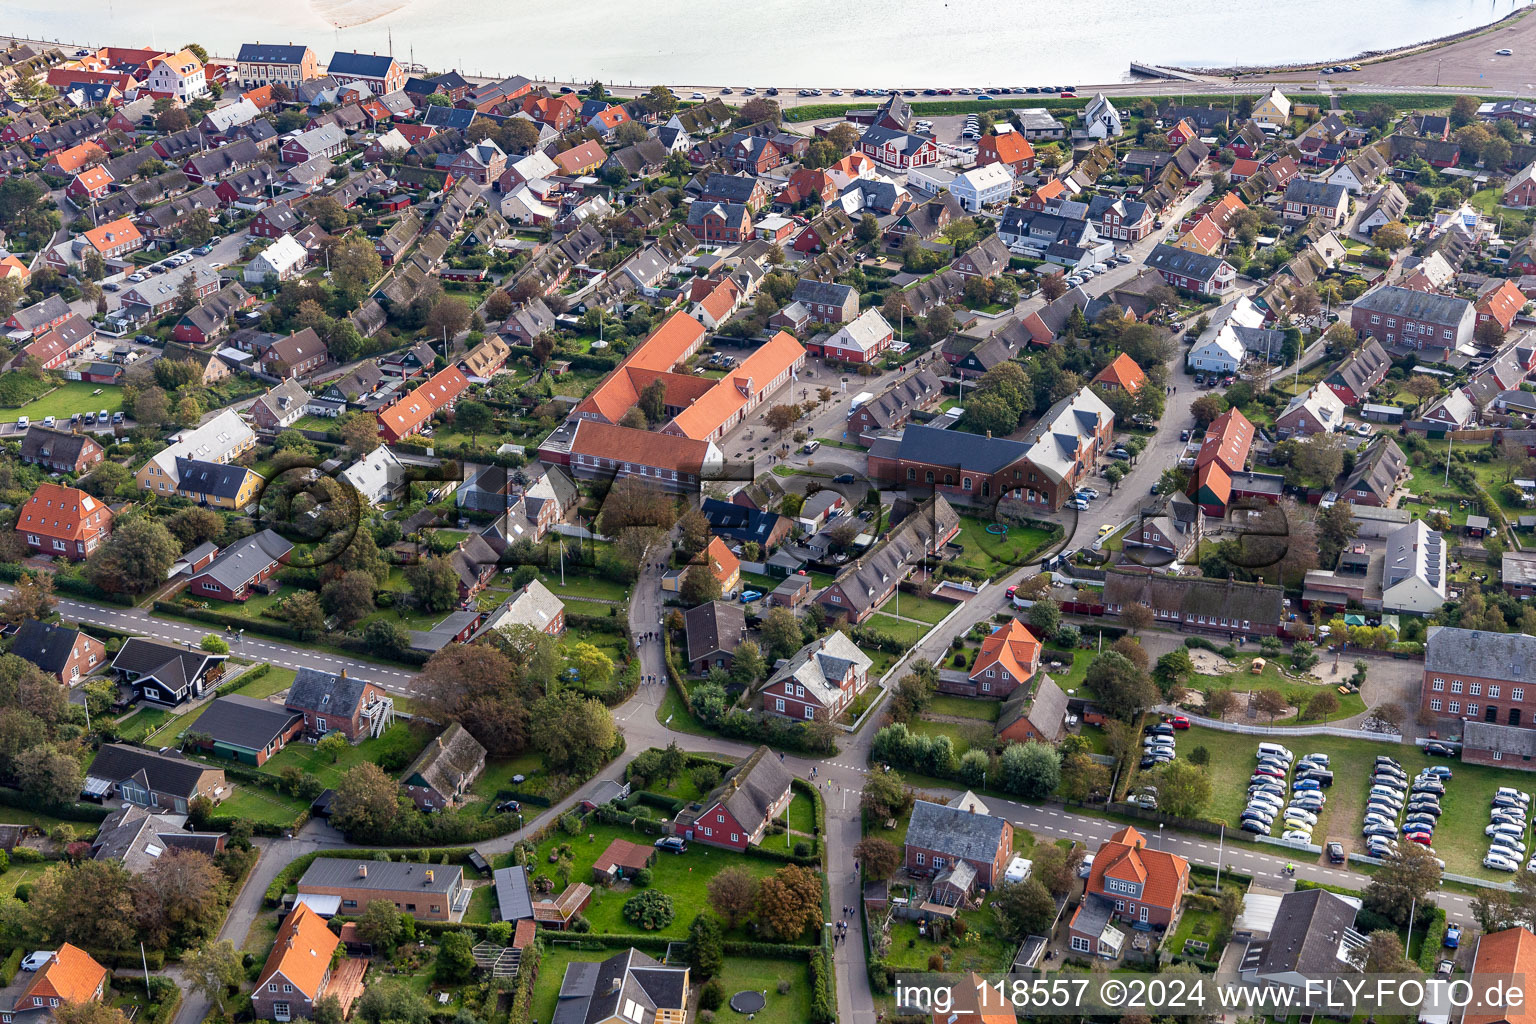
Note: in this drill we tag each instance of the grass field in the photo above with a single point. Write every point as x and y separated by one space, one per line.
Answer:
994 554
989 952
579 584
681 876
70 398
274 682
802 814
141 723
399 741
908 633
965 707
964 737
1459 840
1242 680
498 773
262 805
925 608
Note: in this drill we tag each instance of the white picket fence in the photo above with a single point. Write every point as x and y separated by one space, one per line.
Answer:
1244 729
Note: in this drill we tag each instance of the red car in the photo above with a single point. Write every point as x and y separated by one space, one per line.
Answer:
1178 722
1422 838
1068 96
1012 591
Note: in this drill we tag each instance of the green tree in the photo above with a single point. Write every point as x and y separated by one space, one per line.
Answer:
214 969
214 644
381 926
650 909
135 558
455 958
1183 789
700 585
706 947
1023 909
1123 689
349 597
331 745
1413 876
473 417
1031 770
781 632
574 731
366 800
434 584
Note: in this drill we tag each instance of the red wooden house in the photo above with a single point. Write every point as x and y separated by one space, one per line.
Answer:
736 813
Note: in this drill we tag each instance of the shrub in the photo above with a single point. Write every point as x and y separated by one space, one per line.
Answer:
802 849
784 986
711 995
651 909
643 877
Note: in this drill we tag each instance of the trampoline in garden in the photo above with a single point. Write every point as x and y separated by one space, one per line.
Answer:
998 529
749 1001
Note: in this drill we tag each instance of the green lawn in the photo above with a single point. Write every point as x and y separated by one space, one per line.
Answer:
908 633
580 584
262 805
759 974
274 682
498 773
925 608
169 734
993 553
1195 924
802 814
681 876
482 905
1459 840
141 723
400 743
1297 693
72 397
19 874
988 952
964 737
965 707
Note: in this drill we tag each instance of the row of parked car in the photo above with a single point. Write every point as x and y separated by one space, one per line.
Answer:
1394 807
1507 824
1267 793
1157 746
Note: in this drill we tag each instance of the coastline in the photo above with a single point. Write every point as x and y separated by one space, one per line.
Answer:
1366 58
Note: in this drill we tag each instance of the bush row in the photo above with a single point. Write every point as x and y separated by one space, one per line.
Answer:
69 812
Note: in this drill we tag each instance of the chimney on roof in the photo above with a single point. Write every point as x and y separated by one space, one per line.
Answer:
429 874
362 871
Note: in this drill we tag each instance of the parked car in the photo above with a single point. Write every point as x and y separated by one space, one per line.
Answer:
1336 854
672 844
34 961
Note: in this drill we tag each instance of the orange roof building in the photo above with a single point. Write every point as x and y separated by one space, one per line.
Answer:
679 337
72 976
1212 488
74 159
1009 658
115 238
64 522
1010 148
1501 303
1509 952
973 1001
1227 441
718 302
1129 883
294 976
1204 237
733 397
1225 210
1242 169
725 566
407 416
10 266
1121 375
1053 189
582 159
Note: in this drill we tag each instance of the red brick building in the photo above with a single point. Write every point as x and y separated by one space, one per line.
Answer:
736 813
64 522
943 837
1129 883
339 703
241 566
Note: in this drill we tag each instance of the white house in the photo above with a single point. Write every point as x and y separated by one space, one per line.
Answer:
377 476
1413 578
179 76
281 260
1318 411
982 187
1101 118
861 341
1220 347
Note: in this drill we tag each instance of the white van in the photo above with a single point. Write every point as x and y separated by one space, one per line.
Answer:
1276 750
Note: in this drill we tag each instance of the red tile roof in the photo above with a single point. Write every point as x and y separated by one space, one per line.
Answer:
1013 647
1125 856
721 562
1502 303
1124 373
302 952
73 159
668 345
596 439
113 234
1512 951
65 513
73 975
704 418
1227 441
1009 148
580 159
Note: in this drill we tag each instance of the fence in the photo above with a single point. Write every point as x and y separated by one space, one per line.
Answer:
1289 730
1291 844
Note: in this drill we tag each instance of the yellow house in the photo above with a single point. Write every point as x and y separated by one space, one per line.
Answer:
1273 109
217 485
222 439
1205 237
725 566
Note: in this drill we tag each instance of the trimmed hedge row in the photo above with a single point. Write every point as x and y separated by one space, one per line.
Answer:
69 812
283 631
